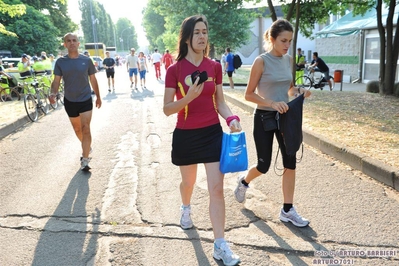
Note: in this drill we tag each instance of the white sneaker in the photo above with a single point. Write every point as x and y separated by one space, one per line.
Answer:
225 254
84 164
240 191
293 217
185 217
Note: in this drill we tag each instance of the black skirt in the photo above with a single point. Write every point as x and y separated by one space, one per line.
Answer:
193 146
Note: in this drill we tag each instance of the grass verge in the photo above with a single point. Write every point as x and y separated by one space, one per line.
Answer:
366 122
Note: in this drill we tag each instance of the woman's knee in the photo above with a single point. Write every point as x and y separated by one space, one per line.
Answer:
263 167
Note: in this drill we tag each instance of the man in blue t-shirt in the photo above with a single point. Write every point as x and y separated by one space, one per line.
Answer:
109 64
318 63
78 73
229 67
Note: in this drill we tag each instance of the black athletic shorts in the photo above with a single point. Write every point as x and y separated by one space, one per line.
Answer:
110 74
229 73
73 109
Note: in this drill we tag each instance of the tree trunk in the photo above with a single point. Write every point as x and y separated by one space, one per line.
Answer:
211 51
381 31
296 30
273 14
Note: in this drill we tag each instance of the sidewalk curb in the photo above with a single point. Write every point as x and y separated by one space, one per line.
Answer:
8 129
375 169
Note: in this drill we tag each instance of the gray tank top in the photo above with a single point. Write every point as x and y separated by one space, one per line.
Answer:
275 80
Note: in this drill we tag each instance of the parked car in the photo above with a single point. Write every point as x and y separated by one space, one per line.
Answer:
10 62
10 66
98 62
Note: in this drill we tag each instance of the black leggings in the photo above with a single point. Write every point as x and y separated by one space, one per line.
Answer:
264 146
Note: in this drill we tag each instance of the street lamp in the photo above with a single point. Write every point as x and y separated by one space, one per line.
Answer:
128 40
121 38
95 21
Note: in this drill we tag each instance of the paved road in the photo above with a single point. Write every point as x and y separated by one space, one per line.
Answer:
126 211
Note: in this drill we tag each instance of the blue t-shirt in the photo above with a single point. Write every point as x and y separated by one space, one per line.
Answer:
75 72
230 60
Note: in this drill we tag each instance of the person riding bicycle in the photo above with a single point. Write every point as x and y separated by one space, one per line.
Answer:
318 64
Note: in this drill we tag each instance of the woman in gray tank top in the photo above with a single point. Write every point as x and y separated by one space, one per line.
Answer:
269 86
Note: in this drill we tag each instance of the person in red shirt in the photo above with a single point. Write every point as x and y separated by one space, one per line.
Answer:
167 59
197 137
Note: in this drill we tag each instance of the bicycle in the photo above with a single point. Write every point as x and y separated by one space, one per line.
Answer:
25 87
34 102
45 83
8 93
309 80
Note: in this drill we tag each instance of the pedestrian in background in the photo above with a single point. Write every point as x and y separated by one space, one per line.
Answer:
229 67
156 59
269 86
77 72
132 65
223 62
167 59
300 66
143 68
197 137
24 67
109 64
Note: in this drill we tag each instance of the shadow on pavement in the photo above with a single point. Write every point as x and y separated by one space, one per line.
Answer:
66 238
199 251
141 93
306 233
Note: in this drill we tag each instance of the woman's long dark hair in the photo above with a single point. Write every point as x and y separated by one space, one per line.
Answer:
186 33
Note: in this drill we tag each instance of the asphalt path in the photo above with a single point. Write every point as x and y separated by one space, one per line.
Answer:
126 210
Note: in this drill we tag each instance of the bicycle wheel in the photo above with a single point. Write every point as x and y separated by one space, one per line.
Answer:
15 96
9 94
31 107
303 82
332 83
43 102
3 95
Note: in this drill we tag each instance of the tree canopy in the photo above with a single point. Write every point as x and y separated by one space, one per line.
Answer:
32 26
98 26
228 22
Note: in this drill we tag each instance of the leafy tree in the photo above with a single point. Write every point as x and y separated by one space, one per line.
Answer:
96 22
58 13
154 25
10 10
228 21
126 33
35 33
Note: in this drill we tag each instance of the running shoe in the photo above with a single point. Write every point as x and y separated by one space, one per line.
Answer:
84 164
293 217
240 191
225 254
185 217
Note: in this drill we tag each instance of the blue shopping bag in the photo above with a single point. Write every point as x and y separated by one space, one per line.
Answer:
234 155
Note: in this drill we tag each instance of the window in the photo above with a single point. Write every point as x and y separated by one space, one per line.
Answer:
372 48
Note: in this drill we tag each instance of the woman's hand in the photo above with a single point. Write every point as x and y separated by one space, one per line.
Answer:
306 93
280 107
195 90
235 126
